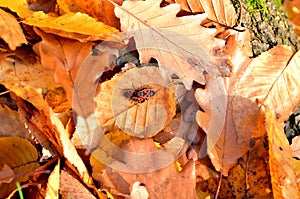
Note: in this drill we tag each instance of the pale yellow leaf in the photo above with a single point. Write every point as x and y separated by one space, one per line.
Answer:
10 30
53 183
179 44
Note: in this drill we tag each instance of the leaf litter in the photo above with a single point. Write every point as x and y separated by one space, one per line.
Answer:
213 131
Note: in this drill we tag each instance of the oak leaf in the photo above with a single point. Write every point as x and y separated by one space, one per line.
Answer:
179 44
189 5
222 12
11 31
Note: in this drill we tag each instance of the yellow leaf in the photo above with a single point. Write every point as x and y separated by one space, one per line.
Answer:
19 155
72 23
281 161
53 183
10 30
18 6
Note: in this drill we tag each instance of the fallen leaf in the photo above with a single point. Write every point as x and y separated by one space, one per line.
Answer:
189 5
101 10
7 174
11 124
281 161
163 183
272 78
19 155
11 32
79 23
222 12
27 81
53 183
179 44
70 187
295 146
18 6
143 119
64 56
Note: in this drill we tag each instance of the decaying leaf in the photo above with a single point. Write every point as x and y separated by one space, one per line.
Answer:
179 44
19 155
116 102
11 31
7 174
281 162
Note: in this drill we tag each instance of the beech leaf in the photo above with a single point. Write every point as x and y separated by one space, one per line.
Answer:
272 78
179 44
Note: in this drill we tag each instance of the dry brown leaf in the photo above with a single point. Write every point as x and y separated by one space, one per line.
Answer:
27 81
222 12
164 183
70 187
7 174
179 44
272 78
19 155
281 162
193 6
64 56
142 119
11 31
11 124
53 183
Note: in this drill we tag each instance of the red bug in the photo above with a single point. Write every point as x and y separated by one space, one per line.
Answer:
139 95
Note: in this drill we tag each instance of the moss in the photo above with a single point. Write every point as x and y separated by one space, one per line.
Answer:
257 6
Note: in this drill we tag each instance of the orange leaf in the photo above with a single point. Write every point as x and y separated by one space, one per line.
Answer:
64 56
281 161
10 30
